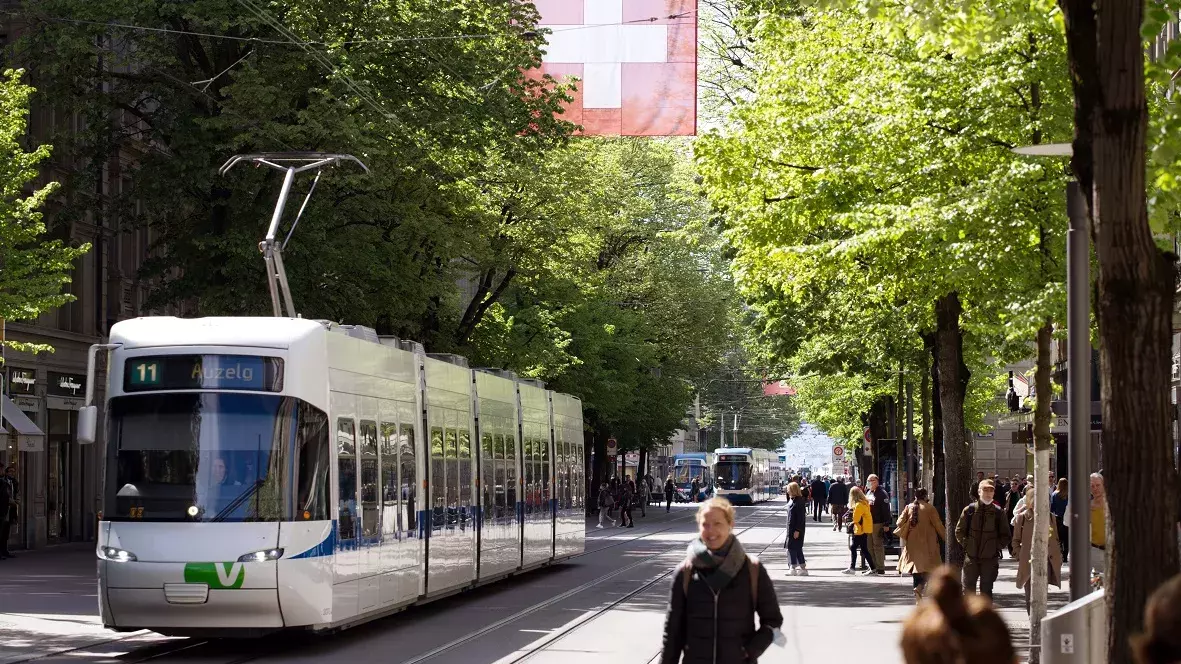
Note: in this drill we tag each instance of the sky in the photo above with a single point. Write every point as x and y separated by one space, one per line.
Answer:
810 447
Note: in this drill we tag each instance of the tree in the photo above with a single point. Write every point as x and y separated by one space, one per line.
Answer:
874 200
33 269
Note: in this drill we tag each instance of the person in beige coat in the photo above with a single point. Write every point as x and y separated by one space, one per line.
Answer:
920 528
1023 549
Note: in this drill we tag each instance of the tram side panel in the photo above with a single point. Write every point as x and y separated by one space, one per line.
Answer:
499 528
570 491
451 551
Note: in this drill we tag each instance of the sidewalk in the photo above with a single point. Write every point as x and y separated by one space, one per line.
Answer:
49 602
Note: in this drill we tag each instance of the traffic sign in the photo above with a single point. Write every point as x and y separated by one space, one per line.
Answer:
838 451
866 436
612 447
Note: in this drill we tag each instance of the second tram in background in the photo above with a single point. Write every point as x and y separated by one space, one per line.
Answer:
693 466
744 475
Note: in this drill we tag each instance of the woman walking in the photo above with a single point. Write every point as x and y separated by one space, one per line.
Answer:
1058 502
862 523
921 529
797 517
626 501
1023 549
716 594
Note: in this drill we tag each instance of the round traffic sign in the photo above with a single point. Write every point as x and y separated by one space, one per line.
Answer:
612 446
866 436
838 451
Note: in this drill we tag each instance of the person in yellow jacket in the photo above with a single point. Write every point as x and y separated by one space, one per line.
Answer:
862 524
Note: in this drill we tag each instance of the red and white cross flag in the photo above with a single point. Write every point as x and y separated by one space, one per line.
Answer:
637 61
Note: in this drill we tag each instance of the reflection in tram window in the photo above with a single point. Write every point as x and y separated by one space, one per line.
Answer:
370 486
487 476
438 479
390 526
409 479
346 439
511 480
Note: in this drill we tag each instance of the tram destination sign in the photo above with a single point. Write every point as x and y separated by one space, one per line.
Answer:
203 372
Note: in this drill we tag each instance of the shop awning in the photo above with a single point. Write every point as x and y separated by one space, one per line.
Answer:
17 419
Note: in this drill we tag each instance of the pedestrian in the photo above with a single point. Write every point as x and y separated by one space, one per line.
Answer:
627 500
1016 492
1059 500
717 593
797 518
7 502
879 502
695 489
1002 490
614 498
979 479
1023 549
838 498
651 482
670 488
1161 641
921 529
819 498
605 502
1098 525
862 524
983 531
642 500
950 628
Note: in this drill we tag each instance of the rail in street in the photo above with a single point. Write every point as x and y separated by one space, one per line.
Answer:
606 605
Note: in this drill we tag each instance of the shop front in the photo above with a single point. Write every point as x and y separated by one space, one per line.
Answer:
24 445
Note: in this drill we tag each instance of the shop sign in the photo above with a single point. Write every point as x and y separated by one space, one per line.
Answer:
66 385
64 403
22 381
30 443
27 404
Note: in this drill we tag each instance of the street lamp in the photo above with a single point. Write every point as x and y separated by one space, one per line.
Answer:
1078 376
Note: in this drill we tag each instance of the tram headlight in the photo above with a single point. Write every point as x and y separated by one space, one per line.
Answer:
261 556
116 555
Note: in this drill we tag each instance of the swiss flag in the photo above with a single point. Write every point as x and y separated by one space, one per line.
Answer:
636 61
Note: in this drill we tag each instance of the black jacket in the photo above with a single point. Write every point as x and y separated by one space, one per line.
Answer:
5 497
819 491
695 619
880 511
838 494
669 488
797 517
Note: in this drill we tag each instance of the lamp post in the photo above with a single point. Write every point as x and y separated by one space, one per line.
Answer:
1078 376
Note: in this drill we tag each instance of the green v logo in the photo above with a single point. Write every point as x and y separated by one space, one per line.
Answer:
220 576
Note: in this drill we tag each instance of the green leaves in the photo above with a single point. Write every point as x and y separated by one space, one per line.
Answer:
33 269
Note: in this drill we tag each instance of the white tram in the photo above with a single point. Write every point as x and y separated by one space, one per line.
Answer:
743 475
267 473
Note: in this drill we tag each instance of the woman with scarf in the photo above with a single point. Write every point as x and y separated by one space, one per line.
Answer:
797 517
716 594
921 529
1023 549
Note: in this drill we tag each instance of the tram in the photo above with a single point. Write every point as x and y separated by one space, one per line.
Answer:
743 475
690 466
270 473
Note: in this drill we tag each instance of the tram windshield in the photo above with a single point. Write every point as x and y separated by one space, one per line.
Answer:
685 474
212 456
733 475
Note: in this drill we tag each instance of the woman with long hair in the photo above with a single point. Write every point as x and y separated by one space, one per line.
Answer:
1023 549
797 517
716 595
862 523
921 528
1058 503
949 628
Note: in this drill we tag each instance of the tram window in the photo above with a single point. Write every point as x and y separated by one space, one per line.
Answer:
438 478
487 475
314 462
499 480
389 479
370 481
511 480
452 473
465 467
409 488
346 439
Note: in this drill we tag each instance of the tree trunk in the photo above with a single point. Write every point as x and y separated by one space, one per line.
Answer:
599 469
928 443
953 383
1042 518
899 442
1135 307
642 466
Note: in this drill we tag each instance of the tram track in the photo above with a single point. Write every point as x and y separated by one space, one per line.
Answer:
775 512
232 649
567 631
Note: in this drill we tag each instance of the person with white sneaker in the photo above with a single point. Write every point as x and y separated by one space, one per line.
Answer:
797 518
862 524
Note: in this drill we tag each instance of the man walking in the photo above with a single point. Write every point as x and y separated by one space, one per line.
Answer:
819 498
983 531
879 509
838 502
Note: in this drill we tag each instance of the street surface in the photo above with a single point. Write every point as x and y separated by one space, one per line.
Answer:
605 606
